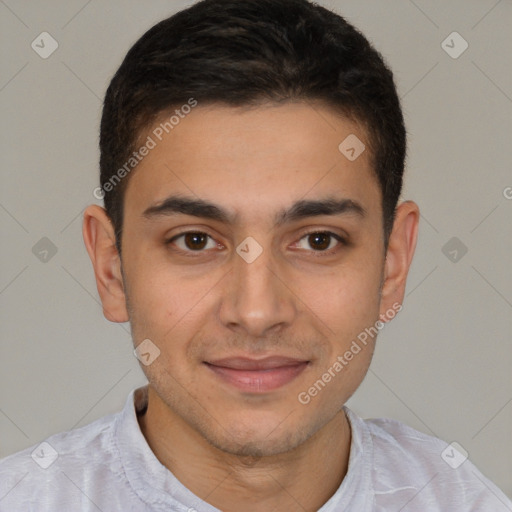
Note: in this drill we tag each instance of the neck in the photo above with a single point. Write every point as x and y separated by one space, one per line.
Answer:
302 479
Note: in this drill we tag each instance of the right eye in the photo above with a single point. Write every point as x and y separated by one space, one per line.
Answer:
193 241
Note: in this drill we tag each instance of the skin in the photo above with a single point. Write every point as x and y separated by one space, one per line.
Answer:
240 450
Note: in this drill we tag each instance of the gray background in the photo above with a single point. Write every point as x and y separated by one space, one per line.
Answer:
443 366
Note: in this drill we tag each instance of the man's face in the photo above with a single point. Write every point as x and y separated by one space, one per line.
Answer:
241 338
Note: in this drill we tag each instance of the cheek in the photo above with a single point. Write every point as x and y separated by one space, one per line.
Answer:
348 304
157 301
346 300
169 308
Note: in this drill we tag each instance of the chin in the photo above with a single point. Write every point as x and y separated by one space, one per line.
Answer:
256 447
257 437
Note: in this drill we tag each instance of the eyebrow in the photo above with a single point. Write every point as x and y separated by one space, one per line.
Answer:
175 205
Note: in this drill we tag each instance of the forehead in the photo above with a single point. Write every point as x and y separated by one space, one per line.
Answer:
254 158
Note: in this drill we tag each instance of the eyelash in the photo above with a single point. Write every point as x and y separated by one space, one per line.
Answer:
190 253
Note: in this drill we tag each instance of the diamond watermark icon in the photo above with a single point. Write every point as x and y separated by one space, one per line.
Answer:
454 455
44 250
454 45
249 249
44 455
44 45
146 352
351 147
454 249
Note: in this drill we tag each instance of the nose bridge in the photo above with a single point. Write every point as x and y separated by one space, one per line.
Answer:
256 301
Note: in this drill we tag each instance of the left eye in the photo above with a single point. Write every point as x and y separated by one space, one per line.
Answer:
194 241
320 241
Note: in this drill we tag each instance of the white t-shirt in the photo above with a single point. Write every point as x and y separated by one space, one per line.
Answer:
107 466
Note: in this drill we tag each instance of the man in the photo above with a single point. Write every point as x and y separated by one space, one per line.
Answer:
252 155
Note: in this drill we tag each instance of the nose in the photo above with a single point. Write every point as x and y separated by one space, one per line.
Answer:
257 300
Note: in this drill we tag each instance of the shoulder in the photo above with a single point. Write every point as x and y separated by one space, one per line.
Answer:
65 445
61 461
424 471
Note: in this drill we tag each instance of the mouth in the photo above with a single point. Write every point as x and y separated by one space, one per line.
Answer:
257 375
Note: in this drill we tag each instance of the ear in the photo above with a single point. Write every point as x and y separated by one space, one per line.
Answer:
99 238
401 246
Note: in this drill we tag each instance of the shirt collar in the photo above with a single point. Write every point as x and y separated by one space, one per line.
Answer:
151 480
158 487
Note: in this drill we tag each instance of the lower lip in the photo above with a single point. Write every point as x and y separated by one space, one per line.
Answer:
259 381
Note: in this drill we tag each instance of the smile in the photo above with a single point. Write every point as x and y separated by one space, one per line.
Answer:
257 376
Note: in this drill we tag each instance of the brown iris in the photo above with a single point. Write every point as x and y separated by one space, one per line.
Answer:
319 241
195 241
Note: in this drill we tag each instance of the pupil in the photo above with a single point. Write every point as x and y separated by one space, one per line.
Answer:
319 240
195 241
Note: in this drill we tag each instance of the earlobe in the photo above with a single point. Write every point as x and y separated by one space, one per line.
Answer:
99 239
401 247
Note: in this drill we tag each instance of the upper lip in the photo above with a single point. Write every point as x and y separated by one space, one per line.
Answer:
247 363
